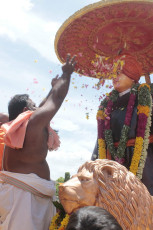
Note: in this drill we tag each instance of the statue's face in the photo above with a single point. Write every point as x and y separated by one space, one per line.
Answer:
122 82
81 190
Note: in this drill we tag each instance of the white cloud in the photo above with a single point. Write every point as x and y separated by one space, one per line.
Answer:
64 124
76 147
13 17
19 23
66 161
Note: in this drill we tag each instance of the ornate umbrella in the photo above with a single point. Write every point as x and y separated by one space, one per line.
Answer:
106 29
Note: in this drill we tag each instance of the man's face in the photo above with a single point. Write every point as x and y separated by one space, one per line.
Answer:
31 105
122 82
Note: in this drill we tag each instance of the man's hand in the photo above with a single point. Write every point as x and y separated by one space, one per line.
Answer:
69 66
54 99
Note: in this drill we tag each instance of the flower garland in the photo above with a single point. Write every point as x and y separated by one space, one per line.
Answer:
145 144
106 133
101 124
144 113
56 220
143 128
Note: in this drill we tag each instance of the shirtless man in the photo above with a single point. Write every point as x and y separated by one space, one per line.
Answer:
30 206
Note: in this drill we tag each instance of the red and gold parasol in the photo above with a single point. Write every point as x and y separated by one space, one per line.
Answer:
105 29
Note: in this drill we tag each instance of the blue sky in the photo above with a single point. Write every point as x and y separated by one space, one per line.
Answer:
28 63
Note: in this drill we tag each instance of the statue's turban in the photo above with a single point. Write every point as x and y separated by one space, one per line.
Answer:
131 68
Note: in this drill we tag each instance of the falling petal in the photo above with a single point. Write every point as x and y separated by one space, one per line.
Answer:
80 54
100 98
87 116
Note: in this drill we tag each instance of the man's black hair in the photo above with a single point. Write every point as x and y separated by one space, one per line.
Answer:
16 105
92 218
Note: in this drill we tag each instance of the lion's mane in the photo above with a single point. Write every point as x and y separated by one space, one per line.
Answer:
122 194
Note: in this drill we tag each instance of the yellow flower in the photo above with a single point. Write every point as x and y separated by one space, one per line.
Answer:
102 149
106 58
53 225
64 222
101 114
136 156
143 109
144 84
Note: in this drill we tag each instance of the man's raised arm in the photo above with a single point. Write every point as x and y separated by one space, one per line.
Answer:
53 101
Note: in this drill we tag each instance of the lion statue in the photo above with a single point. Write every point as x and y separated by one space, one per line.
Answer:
109 185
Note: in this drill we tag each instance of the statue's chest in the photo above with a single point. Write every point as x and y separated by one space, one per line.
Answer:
117 122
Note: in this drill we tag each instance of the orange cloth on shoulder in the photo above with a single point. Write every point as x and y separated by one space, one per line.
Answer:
15 132
1 147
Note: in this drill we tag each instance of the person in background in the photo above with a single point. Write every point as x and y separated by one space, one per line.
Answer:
92 218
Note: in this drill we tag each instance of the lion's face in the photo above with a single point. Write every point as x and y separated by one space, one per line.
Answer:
109 185
81 190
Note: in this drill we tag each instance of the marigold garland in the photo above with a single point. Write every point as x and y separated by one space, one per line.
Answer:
55 220
143 127
145 144
101 115
144 107
102 149
136 155
104 131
